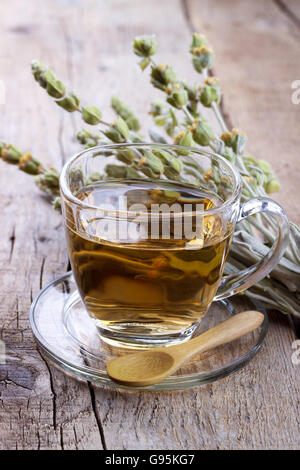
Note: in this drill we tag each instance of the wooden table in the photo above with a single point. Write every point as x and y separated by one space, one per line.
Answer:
88 44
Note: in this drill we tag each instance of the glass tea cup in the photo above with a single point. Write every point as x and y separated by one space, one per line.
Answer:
149 228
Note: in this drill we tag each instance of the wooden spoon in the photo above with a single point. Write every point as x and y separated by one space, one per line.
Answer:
150 367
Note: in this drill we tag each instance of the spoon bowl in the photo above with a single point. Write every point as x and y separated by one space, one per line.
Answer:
149 367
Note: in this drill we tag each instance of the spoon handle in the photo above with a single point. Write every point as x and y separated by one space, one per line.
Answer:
229 330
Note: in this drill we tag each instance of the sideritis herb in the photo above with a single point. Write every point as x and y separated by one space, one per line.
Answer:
179 114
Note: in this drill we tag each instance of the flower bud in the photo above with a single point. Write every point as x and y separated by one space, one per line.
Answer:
228 153
51 177
203 134
91 115
83 136
56 88
113 135
191 91
210 92
29 165
203 59
198 40
11 154
272 186
162 76
120 172
116 171
123 110
264 166
158 107
121 126
88 139
178 97
133 123
151 165
47 79
239 140
171 164
93 178
186 140
118 132
49 185
236 140
144 46
69 103
38 70
203 55
174 168
57 204
92 143
227 138
126 156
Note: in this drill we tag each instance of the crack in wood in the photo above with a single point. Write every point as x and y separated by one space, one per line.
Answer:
12 243
10 381
42 272
39 440
54 396
287 12
17 311
76 438
69 61
60 139
187 16
61 437
96 414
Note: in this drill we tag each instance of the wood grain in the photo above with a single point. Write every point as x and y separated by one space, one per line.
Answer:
88 42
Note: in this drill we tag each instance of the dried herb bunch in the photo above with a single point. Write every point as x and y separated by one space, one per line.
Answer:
179 115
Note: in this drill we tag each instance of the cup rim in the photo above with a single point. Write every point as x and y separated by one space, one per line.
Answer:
66 192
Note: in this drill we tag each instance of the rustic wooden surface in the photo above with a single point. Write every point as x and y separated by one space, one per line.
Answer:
88 43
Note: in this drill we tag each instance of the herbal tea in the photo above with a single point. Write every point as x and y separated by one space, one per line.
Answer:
156 284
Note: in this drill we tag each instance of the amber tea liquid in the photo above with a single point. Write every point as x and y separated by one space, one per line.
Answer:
146 286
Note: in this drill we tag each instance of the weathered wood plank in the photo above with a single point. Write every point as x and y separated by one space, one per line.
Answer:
40 407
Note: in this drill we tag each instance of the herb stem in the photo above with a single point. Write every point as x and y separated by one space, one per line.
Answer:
188 114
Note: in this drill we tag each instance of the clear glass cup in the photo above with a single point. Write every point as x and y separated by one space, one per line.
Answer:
149 228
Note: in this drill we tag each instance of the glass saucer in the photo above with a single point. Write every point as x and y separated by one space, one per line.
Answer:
68 337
